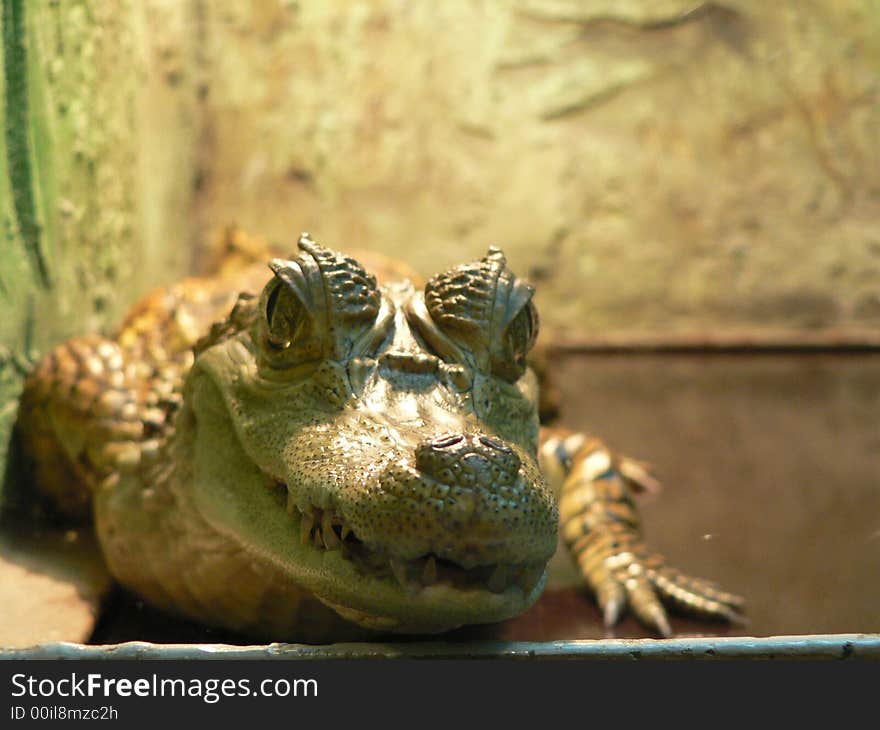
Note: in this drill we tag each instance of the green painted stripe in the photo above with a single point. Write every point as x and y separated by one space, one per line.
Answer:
18 154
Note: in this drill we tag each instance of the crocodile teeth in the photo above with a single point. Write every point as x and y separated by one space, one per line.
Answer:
331 541
399 570
325 529
498 580
429 574
528 577
307 522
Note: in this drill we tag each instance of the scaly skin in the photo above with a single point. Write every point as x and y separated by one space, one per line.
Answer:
331 456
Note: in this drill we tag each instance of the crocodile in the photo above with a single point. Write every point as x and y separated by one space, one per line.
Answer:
313 450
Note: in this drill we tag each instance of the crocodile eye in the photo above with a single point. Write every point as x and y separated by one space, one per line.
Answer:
278 333
509 360
286 315
317 306
478 314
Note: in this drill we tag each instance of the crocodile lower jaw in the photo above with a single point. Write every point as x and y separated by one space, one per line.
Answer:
383 604
326 530
426 594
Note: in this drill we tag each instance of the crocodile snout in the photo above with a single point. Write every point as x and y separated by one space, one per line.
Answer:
465 496
472 460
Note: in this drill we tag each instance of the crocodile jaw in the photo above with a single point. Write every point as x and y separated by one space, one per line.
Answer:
384 603
379 590
234 496
433 609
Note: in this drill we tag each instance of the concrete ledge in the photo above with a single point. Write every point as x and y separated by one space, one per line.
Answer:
829 646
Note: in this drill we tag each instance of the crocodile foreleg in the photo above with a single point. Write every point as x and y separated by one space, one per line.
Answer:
600 526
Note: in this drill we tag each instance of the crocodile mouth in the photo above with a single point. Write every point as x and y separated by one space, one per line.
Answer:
325 530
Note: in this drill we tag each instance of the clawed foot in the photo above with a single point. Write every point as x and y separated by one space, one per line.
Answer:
601 527
625 575
643 581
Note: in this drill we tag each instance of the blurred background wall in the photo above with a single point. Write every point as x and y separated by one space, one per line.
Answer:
658 167
662 169
97 158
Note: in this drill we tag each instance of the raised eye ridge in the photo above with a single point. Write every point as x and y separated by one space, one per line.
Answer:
481 314
320 305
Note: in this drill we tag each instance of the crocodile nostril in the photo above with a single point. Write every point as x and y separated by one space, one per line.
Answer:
444 442
495 444
468 460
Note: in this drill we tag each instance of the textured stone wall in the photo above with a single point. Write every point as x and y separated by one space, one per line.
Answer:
659 168
97 160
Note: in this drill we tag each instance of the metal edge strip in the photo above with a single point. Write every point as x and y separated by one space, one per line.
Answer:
821 646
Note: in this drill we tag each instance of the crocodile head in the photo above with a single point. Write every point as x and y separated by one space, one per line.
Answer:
378 445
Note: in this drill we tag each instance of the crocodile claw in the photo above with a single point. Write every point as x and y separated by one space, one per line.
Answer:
622 573
601 527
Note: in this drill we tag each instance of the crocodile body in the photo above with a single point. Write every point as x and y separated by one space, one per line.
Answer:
306 452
